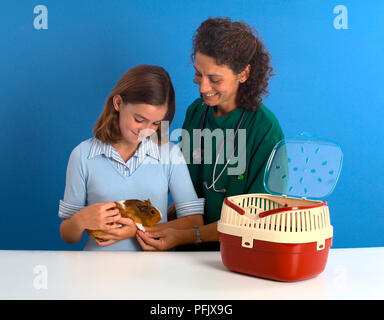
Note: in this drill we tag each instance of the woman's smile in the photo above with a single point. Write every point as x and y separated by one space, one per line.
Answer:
208 97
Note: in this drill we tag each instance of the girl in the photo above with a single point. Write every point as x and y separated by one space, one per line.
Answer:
128 158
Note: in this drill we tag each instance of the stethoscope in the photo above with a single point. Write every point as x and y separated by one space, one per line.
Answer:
198 154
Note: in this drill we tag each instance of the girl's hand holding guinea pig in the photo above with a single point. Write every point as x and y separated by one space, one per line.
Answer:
106 217
99 216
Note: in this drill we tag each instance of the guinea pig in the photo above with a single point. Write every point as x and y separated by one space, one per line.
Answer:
142 212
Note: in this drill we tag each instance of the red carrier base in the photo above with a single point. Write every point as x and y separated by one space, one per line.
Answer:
272 260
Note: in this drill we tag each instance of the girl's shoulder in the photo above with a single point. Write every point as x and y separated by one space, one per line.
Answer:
83 149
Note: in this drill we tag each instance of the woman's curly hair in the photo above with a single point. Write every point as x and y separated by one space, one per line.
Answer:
234 44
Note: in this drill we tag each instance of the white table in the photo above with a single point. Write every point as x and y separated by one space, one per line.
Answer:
349 274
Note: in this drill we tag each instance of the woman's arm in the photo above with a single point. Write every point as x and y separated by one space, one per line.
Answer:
181 223
166 239
208 232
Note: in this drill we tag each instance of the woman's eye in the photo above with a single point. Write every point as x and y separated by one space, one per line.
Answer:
197 78
215 80
139 120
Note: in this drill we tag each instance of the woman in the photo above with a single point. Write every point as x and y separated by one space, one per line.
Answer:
232 70
128 159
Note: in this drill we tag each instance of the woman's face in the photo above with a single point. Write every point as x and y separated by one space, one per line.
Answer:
137 121
217 83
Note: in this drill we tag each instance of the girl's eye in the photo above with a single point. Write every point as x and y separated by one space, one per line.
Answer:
157 123
139 120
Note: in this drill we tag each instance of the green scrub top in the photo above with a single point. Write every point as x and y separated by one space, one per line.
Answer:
262 133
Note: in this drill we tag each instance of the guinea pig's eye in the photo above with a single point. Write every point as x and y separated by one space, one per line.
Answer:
153 211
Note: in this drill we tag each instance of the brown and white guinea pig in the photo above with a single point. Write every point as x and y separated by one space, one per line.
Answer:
142 212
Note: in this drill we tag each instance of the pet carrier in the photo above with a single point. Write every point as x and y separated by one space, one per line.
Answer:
284 235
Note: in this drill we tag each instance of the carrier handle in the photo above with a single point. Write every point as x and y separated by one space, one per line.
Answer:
278 210
243 211
235 207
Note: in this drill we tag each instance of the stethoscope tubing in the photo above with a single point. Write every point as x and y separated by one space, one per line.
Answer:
214 180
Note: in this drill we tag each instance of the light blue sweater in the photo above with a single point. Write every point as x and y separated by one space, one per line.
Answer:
96 173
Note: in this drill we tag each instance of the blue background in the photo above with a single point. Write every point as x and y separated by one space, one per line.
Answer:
54 84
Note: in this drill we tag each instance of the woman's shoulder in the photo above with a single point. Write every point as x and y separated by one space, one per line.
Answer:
264 118
264 113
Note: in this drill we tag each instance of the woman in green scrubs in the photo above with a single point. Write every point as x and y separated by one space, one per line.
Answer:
232 69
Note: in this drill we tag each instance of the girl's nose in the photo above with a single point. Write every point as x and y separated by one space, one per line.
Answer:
145 125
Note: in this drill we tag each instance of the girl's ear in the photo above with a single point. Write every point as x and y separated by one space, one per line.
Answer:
117 101
244 75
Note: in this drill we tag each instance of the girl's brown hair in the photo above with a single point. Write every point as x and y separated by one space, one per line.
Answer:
234 44
141 84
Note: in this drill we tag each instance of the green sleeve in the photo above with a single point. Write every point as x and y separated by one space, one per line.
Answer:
259 158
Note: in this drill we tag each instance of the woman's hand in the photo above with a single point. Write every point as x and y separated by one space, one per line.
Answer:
159 240
127 230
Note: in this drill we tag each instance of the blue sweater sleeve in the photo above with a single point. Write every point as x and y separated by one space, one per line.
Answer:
75 194
181 187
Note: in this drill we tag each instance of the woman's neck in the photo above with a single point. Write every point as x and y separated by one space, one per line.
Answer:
223 110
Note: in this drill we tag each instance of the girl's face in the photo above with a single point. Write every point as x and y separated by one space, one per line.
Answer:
218 84
137 121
